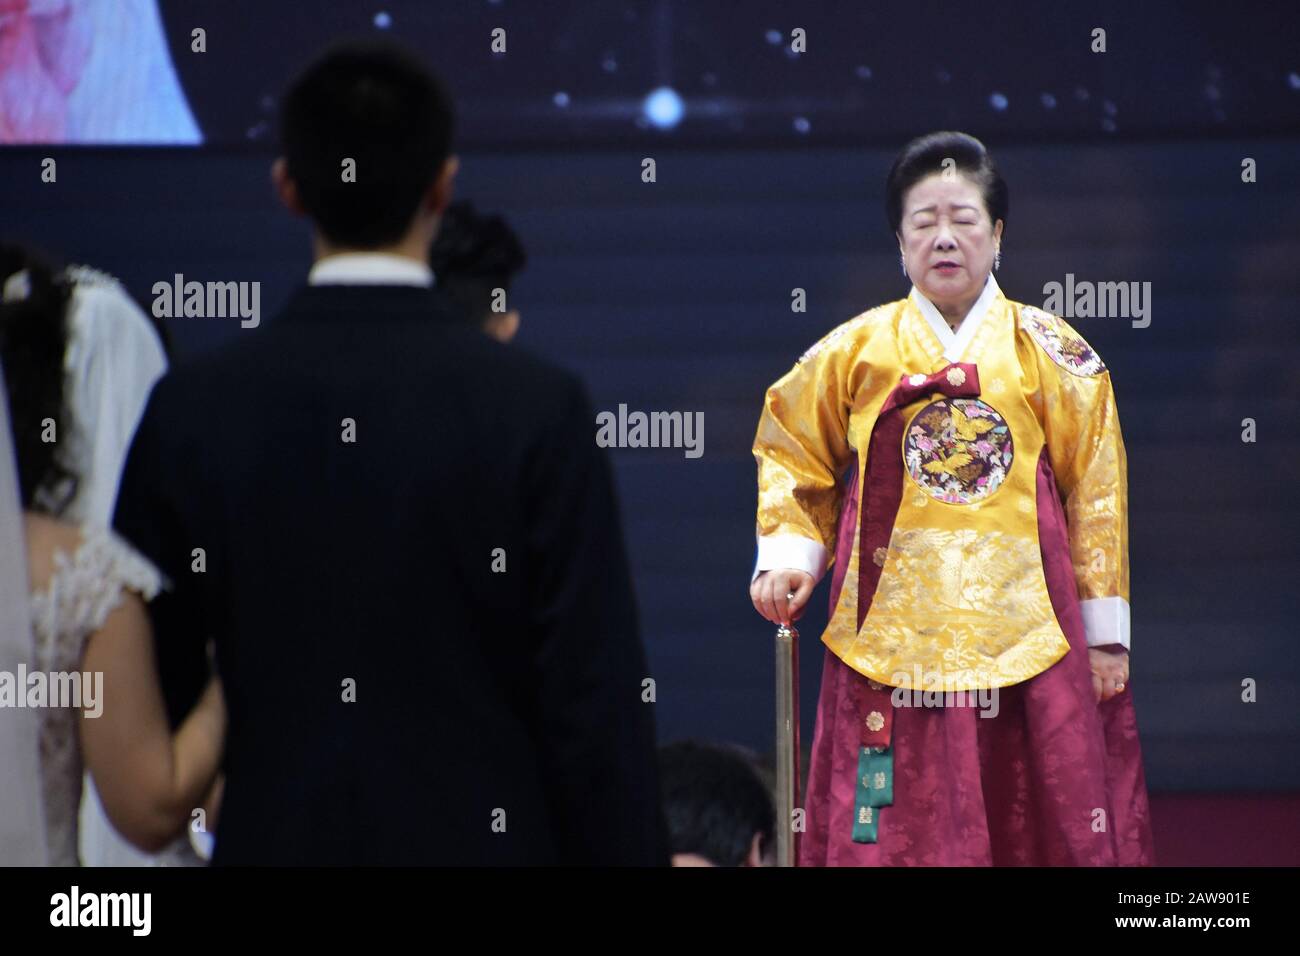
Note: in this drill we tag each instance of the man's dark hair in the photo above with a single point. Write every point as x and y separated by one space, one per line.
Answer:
714 801
378 105
472 256
925 155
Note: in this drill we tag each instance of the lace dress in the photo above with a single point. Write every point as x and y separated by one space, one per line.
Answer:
83 590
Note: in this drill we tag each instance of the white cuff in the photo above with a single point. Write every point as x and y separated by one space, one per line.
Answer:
790 551
1106 621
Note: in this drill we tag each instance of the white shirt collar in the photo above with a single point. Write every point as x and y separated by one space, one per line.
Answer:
954 343
369 268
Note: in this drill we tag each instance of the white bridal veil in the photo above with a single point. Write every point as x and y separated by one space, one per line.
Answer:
22 815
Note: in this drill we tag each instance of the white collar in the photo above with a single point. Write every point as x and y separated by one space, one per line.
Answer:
369 268
954 343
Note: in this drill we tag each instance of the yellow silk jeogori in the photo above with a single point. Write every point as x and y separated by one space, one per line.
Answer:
962 601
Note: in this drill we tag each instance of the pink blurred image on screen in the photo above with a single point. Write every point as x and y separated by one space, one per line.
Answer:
89 71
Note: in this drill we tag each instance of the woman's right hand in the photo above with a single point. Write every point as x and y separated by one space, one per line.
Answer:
781 595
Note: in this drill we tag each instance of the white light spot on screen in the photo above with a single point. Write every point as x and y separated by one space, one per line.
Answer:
773 37
383 20
998 101
560 99
863 72
1048 101
663 107
1293 80
801 124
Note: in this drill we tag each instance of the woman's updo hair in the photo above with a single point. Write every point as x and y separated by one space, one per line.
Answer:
472 256
924 157
33 340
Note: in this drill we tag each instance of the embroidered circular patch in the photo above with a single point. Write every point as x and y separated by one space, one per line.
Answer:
958 449
1065 346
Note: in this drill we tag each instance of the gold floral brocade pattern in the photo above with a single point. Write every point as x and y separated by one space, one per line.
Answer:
1097 509
1086 447
958 609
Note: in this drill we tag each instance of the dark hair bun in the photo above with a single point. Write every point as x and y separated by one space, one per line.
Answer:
472 245
926 155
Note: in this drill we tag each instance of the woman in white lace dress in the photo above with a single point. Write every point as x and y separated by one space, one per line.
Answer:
87 594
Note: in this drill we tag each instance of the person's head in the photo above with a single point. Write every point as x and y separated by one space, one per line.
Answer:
947 204
33 340
474 256
718 809
366 135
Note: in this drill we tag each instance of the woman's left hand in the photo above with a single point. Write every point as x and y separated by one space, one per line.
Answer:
1109 672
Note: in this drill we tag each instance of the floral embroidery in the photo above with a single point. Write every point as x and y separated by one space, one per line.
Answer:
958 449
960 656
829 338
821 343
1065 346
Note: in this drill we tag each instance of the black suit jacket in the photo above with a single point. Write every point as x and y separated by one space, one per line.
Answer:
498 714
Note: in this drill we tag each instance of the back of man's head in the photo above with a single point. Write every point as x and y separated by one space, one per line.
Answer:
377 105
718 809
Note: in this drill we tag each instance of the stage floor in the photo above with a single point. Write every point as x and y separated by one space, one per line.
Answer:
1221 829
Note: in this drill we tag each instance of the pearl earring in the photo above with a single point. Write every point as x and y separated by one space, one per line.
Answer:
902 262
997 259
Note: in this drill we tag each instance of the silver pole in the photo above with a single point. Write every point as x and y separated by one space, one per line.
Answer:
787 744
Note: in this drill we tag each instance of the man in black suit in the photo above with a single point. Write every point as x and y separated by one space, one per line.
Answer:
411 564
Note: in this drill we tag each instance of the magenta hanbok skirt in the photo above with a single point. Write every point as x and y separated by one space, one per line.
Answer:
1055 779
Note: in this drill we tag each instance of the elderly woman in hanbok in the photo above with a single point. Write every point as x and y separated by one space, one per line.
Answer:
975 706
